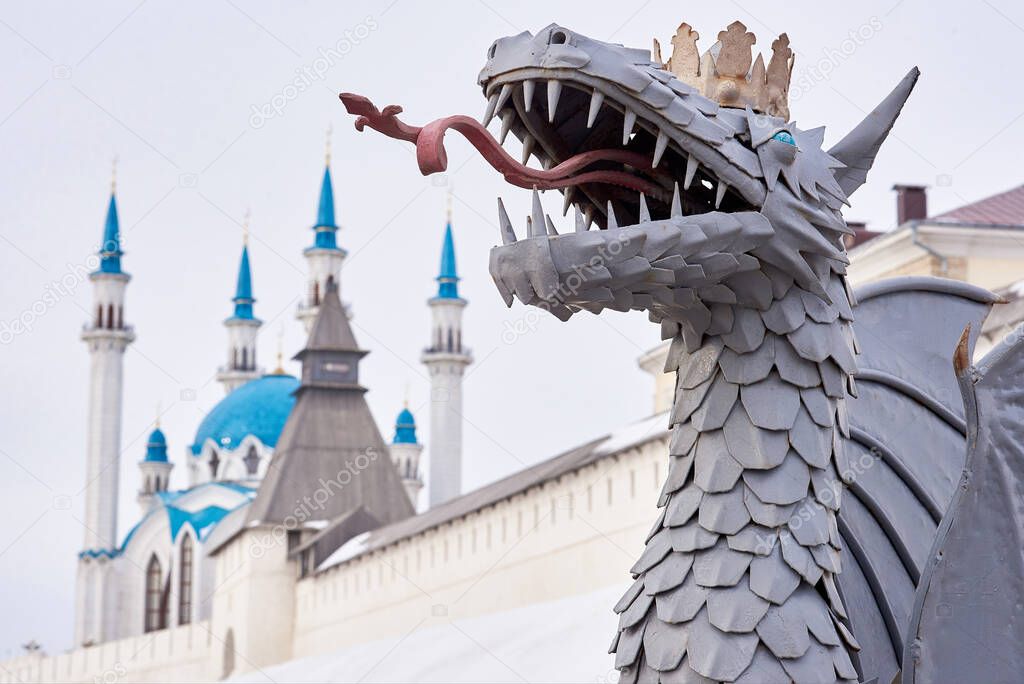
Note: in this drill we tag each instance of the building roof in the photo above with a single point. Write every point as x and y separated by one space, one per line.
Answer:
448 277
330 441
260 408
633 435
243 298
1003 209
405 428
156 447
110 251
326 229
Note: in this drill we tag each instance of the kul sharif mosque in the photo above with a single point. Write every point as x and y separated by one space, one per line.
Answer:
257 451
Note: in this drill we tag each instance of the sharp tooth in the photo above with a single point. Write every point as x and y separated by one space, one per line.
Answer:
581 221
492 104
612 223
627 125
720 193
545 163
506 124
527 94
677 205
527 148
506 90
537 217
550 224
588 215
554 92
595 106
659 148
508 236
567 200
691 170
645 214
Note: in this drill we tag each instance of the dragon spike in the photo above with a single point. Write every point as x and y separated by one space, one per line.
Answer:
527 148
567 200
645 214
528 94
659 148
612 223
691 171
720 193
537 216
628 121
677 205
595 106
506 124
581 222
508 236
550 225
860 146
492 104
554 93
506 90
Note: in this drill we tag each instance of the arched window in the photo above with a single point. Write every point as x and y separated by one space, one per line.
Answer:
120 317
245 359
316 293
99 315
252 461
154 595
110 316
214 462
185 582
450 343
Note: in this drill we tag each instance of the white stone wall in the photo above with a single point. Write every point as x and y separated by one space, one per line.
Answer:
574 535
242 336
182 654
323 263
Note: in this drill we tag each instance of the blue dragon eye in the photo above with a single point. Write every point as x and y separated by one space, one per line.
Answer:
784 136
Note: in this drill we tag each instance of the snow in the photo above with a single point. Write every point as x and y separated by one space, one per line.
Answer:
350 549
559 641
634 434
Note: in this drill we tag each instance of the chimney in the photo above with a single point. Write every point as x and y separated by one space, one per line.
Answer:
911 203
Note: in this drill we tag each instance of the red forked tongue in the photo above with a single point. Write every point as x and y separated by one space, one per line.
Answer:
431 156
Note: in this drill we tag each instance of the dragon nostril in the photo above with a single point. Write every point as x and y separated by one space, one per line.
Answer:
558 38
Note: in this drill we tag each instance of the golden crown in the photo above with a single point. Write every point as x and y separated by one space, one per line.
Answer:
725 72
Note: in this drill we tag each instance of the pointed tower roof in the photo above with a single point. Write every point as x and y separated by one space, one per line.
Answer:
331 437
448 278
405 428
156 446
110 251
326 229
243 298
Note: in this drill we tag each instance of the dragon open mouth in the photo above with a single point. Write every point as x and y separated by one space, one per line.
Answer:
597 150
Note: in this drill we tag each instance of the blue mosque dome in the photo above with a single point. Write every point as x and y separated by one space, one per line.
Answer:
259 407
405 428
156 446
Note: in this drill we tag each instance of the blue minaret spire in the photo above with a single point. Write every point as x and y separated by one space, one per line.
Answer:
326 229
243 298
110 251
448 278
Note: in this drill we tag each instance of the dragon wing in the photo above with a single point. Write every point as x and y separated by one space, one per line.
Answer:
968 619
904 453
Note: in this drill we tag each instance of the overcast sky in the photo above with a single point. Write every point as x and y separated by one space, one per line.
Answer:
197 106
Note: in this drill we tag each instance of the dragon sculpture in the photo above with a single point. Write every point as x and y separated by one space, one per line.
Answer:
808 529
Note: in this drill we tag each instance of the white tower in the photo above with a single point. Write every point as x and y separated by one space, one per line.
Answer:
242 329
107 338
324 257
405 454
154 470
446 360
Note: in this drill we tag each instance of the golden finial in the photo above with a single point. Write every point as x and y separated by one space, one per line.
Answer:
405 400
245 227
280 352
448 210
156 423
113 175
327 145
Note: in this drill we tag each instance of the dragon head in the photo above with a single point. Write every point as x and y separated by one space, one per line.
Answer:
688 193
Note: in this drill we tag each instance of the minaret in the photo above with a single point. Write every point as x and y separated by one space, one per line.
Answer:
324 256
446 360
107 337
405 454
242 328
154 469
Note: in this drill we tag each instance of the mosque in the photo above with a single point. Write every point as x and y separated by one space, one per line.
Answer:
153 576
